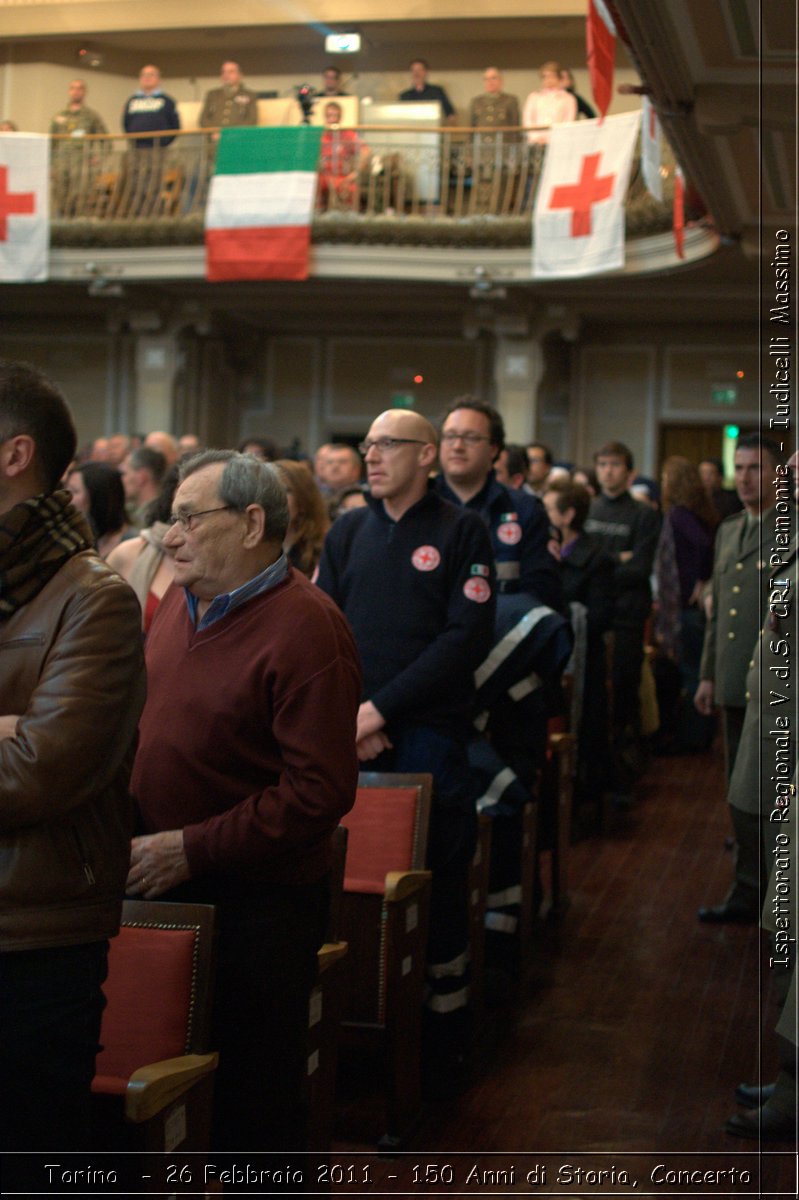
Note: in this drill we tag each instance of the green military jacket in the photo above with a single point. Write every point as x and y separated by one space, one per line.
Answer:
77 122
229 106
766 759
740 591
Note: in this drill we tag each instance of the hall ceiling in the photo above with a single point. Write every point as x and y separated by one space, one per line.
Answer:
385 44
722 74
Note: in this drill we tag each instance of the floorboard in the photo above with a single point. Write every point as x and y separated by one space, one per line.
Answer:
623 1046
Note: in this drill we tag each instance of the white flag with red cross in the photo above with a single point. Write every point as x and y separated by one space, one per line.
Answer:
578 223
24 207
650 149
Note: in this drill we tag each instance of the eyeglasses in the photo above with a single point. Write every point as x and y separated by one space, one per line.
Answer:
184 520
386 444
471 439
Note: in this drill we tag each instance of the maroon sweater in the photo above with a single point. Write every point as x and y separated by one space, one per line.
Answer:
247 740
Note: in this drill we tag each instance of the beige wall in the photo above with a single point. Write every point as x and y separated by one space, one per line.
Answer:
624 383
79 362
31 92
315 388
631 380
78 16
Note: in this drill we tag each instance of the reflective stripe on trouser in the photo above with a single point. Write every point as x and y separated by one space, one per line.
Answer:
451 844
448 984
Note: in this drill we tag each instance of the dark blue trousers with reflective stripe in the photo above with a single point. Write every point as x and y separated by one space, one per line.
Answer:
450 847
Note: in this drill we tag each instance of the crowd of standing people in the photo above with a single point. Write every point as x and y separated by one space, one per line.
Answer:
304 619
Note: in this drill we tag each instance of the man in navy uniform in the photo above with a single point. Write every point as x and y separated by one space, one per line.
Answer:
414 576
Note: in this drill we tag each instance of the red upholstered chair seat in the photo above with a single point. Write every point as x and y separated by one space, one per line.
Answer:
382 829
384 920
150 972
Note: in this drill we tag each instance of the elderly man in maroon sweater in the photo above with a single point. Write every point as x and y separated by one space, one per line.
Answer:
246 762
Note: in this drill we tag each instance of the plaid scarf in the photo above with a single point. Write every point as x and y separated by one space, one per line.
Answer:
36 538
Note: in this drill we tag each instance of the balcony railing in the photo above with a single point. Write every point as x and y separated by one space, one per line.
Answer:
137 188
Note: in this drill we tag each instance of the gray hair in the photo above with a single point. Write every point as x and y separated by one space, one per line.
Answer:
246 480
146 459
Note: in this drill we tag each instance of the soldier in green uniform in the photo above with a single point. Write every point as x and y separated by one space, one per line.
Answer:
493 166
495 107
77 119
740 591
74 162
230 104
763 786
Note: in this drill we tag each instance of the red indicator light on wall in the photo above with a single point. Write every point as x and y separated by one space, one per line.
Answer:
418 379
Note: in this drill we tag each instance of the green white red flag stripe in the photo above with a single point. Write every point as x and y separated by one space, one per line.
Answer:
260 204
24 207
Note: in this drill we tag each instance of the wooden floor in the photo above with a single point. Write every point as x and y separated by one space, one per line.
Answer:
622 1049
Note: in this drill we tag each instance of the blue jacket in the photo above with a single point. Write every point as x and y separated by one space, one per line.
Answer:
144 114
419 594
519 532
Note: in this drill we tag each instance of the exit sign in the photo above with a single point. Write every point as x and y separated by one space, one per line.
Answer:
723 394
402 399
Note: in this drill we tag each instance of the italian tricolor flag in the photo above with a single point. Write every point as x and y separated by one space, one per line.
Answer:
260 204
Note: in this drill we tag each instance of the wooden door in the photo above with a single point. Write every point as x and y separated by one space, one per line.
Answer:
693 442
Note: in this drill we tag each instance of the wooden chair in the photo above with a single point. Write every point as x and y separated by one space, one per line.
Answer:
154 1079
556 802
325 1011
103 194
171 193
384 919
530 899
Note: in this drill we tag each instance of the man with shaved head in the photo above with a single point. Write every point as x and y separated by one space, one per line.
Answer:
415 577
165 444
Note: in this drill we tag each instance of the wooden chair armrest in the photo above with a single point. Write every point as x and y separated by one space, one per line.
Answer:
329 953
151 1088
562 741
400 884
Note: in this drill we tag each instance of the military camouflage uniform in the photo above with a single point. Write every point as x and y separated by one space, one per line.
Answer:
73 163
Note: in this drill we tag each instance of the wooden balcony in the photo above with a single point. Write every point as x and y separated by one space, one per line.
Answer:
447 187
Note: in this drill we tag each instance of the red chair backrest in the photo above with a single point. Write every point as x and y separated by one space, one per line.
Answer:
149 1010
382 830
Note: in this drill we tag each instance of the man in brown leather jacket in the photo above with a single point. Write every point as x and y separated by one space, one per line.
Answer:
71 691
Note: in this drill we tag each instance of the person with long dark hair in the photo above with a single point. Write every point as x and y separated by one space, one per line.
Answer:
308 516
98 492
683 565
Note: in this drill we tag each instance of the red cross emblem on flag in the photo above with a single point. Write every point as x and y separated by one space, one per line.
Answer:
13 203
579 197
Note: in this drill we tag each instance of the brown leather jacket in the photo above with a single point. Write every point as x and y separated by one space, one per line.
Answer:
71 666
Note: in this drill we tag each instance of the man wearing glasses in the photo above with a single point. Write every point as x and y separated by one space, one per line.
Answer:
528 580
414 576
472 437
246 762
